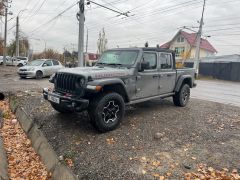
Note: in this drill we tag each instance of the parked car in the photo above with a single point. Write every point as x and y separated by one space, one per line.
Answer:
120 77
39 68
8 58
1 60
17 61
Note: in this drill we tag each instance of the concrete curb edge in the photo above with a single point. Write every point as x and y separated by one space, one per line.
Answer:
3 158
40 144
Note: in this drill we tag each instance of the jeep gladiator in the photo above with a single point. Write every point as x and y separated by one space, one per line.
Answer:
122 76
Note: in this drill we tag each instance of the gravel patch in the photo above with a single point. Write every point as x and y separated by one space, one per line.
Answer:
155 138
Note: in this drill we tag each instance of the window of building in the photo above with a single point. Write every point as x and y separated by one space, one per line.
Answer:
180 39
179 51
151 58
166 61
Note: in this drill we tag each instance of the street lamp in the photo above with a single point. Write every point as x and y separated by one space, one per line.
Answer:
17 32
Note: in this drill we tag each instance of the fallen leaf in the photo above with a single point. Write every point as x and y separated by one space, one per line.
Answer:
156 175
161 178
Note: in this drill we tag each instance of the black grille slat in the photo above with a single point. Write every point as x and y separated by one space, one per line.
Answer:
66 83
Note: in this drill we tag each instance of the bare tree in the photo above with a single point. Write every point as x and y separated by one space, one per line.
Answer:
102 42
1 8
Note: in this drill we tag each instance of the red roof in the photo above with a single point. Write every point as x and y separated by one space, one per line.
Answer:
191 37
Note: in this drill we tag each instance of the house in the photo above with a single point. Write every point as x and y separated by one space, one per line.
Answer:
184 45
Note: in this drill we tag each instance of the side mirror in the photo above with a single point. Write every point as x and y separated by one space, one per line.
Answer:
44 65
144 65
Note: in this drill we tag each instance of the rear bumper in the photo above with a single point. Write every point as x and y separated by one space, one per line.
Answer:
75 104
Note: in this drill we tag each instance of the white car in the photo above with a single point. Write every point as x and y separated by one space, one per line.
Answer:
17 61
8 58
39 68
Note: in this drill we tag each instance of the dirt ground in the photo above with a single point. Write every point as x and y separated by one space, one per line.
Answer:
155 138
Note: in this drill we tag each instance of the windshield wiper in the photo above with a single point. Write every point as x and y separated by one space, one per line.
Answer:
117 64
100 63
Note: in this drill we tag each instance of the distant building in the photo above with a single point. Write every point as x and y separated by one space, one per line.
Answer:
184 45
91 58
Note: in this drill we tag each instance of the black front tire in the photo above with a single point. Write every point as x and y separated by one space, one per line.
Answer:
182 97
20 65
106 111
61 109
39 75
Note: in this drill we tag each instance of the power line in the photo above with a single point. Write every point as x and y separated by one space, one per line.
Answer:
223 29
113 10
108 3
54 18
33 9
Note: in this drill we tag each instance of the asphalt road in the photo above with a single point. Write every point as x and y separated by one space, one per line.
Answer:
10 81
225 92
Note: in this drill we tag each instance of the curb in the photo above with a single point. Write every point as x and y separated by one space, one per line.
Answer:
3 158
40 144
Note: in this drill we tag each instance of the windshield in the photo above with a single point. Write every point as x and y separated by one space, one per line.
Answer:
118 57
37 62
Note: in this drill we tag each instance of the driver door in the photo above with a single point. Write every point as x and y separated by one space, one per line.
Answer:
148 80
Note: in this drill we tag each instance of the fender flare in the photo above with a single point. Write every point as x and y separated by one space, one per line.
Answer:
180 81
109 82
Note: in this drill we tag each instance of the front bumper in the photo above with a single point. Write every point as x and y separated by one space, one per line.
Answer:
66 100
29 74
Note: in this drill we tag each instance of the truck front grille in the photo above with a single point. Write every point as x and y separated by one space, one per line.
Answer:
66 83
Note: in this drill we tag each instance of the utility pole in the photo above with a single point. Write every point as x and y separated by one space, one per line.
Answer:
17 37
199 35
45 48
5 35
87 42
64 58
81 18
85 61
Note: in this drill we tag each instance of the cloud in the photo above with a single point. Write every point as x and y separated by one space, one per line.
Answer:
153 21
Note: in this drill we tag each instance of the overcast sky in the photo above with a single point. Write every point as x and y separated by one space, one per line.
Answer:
155 21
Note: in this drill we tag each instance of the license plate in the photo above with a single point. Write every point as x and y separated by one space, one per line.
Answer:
53 99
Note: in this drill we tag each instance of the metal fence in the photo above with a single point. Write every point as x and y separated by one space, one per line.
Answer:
220 70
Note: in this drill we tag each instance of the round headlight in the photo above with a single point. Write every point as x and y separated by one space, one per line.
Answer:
80 82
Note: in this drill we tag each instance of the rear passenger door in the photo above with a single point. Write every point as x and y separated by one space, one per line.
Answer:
56 66
167 72
147 81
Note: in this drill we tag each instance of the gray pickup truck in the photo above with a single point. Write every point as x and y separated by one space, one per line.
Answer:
120 77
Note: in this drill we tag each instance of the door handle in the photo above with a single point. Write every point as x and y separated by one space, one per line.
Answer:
155 76
169 75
